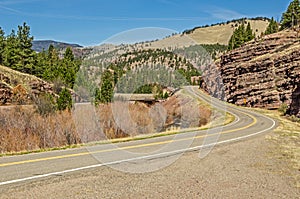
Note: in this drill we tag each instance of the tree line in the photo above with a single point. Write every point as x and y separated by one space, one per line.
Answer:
16 53
240 36
290 18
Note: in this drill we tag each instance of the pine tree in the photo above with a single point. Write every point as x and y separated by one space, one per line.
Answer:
249 33
68 55
11 51
2 45
107 87
52 54
41 64
97 96
272 27
240 36
26 54
70 68
231 43
292 16
65 100
51 69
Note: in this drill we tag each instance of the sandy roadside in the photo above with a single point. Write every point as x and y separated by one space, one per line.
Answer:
246 169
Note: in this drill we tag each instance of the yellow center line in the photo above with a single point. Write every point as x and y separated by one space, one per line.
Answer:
128 147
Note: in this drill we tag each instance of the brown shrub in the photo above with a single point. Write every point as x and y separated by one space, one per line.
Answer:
24 129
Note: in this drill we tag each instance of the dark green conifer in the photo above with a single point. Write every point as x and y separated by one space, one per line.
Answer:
292 16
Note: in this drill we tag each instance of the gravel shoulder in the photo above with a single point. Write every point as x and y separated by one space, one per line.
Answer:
246 169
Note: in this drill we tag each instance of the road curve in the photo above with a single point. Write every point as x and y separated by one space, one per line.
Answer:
127 156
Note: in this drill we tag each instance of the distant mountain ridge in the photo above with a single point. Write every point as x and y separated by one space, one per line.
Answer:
39 45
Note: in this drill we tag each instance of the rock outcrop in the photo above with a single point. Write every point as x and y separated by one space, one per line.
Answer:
295 104
20 88
5 93
263 73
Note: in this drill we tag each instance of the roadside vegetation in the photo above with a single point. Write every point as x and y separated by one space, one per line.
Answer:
24 128
286 137
49 122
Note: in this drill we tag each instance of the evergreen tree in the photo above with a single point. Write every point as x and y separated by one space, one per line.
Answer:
292 16
69 68
52 55
107 87
51 69
65 100
272 27
11 51
41 64
26 54
2 45
240 36
249 33
17 53
68 55
97 96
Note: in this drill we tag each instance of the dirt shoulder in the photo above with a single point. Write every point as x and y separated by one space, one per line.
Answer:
246 169
286 138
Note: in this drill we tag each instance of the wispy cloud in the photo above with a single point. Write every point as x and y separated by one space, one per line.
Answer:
13 2
224 14
10 9
98 18
8 4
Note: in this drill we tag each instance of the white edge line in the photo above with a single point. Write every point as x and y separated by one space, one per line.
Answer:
138 158
237 118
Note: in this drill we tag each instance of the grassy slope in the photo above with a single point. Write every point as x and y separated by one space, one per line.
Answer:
209 35
16 77
221 33
287 139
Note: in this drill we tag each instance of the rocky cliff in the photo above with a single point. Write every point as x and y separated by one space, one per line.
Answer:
263 73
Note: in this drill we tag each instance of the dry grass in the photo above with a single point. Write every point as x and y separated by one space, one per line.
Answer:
287 138
209 35
23 129
16 77
221 33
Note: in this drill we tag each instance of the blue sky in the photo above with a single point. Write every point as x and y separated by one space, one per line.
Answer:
90 22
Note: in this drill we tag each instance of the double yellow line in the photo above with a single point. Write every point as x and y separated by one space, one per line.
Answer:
128 147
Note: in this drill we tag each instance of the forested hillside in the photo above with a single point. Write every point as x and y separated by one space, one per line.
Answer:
16 53
143 71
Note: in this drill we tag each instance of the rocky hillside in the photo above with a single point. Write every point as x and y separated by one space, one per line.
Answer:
263 73
19 88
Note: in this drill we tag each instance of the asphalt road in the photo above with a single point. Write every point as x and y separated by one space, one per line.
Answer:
128 156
